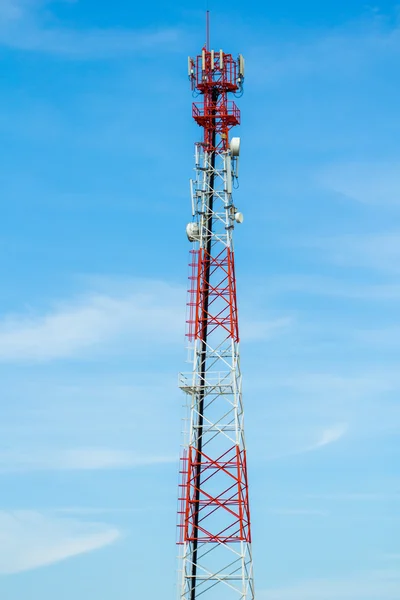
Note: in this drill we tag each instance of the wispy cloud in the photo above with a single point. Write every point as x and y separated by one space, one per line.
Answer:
326 437
77 459
307 441
30 26
72 328
330 435
144 313
31 539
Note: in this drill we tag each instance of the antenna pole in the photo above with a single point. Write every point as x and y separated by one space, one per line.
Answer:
207 30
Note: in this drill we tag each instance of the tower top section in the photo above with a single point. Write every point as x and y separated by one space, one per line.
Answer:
215 75
213 70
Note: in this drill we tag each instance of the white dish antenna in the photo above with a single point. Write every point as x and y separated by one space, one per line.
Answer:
193 232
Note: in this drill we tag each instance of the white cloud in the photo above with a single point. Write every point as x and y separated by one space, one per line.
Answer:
286 442
72 328
148 312
330 435
79 459
30 539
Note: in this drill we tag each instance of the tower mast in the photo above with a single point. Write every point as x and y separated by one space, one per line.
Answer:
214 514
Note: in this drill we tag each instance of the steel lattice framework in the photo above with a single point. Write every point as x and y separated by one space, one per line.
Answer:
214 514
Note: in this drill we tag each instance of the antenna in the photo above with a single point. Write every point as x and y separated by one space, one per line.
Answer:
207 30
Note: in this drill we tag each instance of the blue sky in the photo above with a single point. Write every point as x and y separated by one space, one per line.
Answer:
96 153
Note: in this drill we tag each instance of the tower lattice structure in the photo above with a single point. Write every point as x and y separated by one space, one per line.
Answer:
214 514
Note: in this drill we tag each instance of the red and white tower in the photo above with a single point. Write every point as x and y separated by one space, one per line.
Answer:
214 514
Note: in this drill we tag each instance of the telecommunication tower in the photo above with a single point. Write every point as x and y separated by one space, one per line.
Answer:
214 514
